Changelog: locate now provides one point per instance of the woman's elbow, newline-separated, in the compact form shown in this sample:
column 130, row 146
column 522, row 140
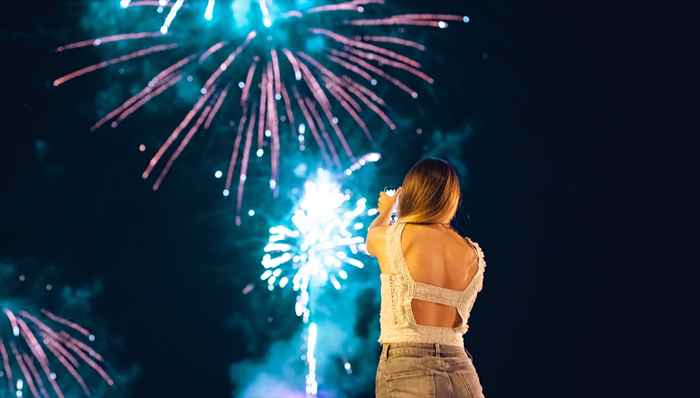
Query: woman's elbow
column 369, row 246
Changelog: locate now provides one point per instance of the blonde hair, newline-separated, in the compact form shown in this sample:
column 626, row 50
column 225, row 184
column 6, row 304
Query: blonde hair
column 430, row 193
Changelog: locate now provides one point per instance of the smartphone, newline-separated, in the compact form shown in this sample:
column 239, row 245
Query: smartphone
column 394, row 213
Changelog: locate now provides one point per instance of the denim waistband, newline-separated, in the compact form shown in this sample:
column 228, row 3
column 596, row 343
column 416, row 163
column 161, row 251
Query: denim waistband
column 422, row 350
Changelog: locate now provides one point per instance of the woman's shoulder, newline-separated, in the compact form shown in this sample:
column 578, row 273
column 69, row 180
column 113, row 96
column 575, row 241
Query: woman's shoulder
column 381, row 229
column 462, row 243
column 476, row 248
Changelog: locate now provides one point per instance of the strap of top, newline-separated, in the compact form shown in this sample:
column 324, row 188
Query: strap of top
column 479, row 252
column 437, row 294
column 396, row 251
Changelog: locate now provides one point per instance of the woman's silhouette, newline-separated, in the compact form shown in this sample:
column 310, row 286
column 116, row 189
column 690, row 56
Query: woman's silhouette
column 430, row 277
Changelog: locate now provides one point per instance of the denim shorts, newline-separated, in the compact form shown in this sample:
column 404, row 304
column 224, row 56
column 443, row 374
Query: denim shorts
column 422, row 370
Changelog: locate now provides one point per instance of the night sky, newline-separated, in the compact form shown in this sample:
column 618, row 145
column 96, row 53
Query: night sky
column 172, row 264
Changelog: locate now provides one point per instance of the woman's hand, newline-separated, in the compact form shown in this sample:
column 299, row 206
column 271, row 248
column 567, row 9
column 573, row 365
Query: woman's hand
column 385, row 201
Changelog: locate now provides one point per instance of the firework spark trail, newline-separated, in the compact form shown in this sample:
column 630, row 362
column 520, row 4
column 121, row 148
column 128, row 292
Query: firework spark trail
column 61, row 354
column 348, row 104
column 314, row 88
column 330, row 75
column 336, row 87
column 173, row 136
column 145, row 3
column 350, row 47
column 35, row 374
column 145, row 96
column 323, row 101
column 6, row 365
column 276, row 69
column 25, row 352
column 288, row 108
column 248, row 84
column 322, row 128
column 312, row 127
column 193, row 130
column 365, row 46
column 211, row 50
column 385, row 61
column 393, row 40
column 244, row 167
column 311, row 382
column 345, row 6
column 171, row 16
column 349, row 66
column 261, row 112
column 362, row 92
column 66, row 322
column 430, row 20
column 25, row 371
column 234, row 155
column 224, row 65
column 361, row 162
column 59, row 342
column 108, row 39
column 217, row 105
column 360, row 63
column 274, row 131
column 267, row 20
column 147, row 93
column 113, row 61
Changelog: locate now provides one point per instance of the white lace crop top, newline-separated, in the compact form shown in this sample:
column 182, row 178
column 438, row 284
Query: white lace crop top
column 398, row 289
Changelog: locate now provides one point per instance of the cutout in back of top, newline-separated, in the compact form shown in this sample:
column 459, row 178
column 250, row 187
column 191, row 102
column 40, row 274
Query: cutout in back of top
column 428, row 312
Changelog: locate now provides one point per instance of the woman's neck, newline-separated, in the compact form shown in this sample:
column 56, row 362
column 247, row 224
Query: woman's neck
column 445, row 224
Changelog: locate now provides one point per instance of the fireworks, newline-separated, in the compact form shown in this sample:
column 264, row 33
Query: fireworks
column 41, row 351
column 301, row 66
column 323, row 237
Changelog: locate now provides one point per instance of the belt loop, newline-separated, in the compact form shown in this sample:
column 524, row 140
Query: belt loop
column 385, row 351
column 437, row 349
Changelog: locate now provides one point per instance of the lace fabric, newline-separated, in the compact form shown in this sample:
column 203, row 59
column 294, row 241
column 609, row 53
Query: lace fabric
column 398, row 289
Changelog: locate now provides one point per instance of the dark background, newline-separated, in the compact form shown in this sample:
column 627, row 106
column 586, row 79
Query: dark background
column 519, row 77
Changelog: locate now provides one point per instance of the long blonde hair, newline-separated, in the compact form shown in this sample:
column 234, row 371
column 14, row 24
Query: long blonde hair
column 430, row 193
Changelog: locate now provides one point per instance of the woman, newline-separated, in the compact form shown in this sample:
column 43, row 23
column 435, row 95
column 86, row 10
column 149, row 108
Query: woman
column 430, row 277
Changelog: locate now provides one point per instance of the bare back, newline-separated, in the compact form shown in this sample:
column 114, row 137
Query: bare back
column 435, row 255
